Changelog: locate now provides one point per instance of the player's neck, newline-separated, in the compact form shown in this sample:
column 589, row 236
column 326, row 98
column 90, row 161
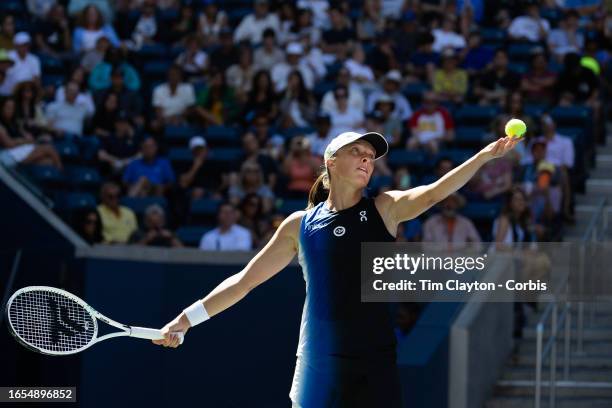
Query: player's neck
column 342, row 198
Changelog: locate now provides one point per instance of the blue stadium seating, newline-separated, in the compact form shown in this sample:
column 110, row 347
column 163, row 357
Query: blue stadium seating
column 577, row 115
column 205, row 208
column 156, row 69
column 534, row 110
column 470, row 135
column 225, row 154
column 402, row 157
column 457, row 156
column 52, row 80
column 493, row 37
column 140, row 204
column 68, row 150
column 476, row 115
column 153, row 51
column 13, row 7
column 179, row 135
column 288, row 206
column 521, row 52
column 222, row 136
column 414, row 92
column 51, row 65
column 191, row 235
column 376, row 182
column 481, row 210
column 76, row 201
column 83, row 177
column 47, row 176
column 519, row 68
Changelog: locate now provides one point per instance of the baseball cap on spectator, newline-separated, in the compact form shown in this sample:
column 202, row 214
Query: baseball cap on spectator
column 22, row 38
column 546, row 166
column 295, row 48
column 394, row 75
column 197, row 141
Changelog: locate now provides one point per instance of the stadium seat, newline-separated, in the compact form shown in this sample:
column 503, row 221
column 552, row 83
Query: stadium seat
column 470, row 136
column 321, row 88
column 224, row 158
column 222, row 136
column 47, row 176
column 457, row 156
column 153, row 51
column 493, row 37
column 52, row 80
column 400, row 157
column 534, row 110
column 576, row 115
column 192, row 235
column 481, row 210
column 76, row 201
column 289, row 206
column 297, row 131
column 51, row 65
column 83, row 177
column 518, row 68
column 476, row 115
column 521, row 52
column 156, row 70
column 69, row 151
column 204, row 210
column 179, row 135
column 140, row 204
column 13, row 7
column 414, row 92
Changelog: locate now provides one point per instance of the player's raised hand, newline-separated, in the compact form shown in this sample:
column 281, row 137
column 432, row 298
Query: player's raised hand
column 500, row 147
column 170, row 332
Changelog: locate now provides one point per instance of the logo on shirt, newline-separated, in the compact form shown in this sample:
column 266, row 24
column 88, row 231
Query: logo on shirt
column 339, row 231
column 362, row 216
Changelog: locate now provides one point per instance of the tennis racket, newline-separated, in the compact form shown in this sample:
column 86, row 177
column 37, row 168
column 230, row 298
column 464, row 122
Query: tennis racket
column 55, row 322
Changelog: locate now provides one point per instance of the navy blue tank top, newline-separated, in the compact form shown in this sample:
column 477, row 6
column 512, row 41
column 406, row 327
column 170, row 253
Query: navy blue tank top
column 334, row 321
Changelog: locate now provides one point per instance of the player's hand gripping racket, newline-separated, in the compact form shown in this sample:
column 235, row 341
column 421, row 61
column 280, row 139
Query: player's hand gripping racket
column 52, row 321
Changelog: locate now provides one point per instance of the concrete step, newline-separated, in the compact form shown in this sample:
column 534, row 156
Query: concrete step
column 603, row 161
column 528, row 347
column 597, row 333
column 601, row 172
column 590, row 199
column 600, row 374
column 591, row 361
column 564, row 402
column 596, row 186
column 503, row 389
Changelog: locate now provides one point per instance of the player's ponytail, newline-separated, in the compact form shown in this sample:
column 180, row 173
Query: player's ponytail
column 319, row 190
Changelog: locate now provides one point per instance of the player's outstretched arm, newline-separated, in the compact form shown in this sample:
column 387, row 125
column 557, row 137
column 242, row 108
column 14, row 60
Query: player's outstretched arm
column 401, row 206
column 275, row 256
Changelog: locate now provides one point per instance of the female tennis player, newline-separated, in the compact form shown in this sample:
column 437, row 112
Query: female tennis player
column 346, row 349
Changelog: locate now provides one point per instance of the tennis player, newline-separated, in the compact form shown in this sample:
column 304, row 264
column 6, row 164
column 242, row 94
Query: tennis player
column 346, row 351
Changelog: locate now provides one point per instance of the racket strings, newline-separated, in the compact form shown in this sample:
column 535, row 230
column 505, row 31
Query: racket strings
column 51, row 322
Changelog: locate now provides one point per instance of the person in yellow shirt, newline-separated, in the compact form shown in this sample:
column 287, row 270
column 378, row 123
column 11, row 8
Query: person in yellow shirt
column 118, row 222
column 449, row 82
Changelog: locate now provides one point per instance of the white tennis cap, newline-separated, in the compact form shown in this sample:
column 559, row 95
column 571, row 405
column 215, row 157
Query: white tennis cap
column 377, row 141
column 22, row 38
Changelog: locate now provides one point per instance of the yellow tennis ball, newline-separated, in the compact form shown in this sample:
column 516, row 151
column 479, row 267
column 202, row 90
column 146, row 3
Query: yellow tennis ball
column 515, row 128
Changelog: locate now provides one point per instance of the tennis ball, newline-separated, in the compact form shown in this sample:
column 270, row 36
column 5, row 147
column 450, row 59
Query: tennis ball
column 515, row 128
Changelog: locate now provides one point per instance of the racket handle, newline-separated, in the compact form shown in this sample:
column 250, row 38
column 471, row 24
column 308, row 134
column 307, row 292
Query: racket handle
column 151, row 334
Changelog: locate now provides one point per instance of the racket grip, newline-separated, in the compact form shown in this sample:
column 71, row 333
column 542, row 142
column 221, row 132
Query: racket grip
column 151, row 334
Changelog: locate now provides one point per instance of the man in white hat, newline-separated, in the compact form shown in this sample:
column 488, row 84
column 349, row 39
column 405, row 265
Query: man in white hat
column 280, row 73
column 391, row 86
column 27, row 65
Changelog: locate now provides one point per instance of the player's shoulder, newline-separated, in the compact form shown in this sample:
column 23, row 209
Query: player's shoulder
column 291, row 224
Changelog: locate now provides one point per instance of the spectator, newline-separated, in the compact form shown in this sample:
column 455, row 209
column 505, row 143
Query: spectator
column 240, row 76
column 305, row 26
column 515, row 224
column 200, row 178
column 253, row 25
column 68, row 116
column 530, row 26
column 371, row 23
column 226, row 54
column 391, row 87
column 127, row 100
column 150, row 174
column 5, row 65
column 94, row 57
column 577, row 84
column 450, row 83
column 20, row 147
column 89, row 226
column 450, row 227
column 103, row 122
column 319, row 139
column 493, row 85
column 155, row 232
column 216, row 104
column 210, row 22
column 545, row 202
column 286, row 14
column 120, row 146
column 84, row 98
column 566, row 38
column 280, row 72
column 339, row 36
column 26, row 65
column 146, row 30
column 538, row 84
column 253, row 153
column 430, row 125
column 103, row 6
column 443, row 166
column 173, row 99
column 475, row 57
column 114, row 61
column 118, row 222
column 193, row 60
column 252, row 217
column 297, row 105
column 269, row 54
column 345, row 118
column 423, row 61
column 360, row 72
column 228, row 236
column 382, row 58
column 356, row 97
column 251, row 181
column 40, row 8
column 446, row 36
column 184, row 25
column 90, row 27
column 492, row 181
column 262, row 98
column 29, row 109
column 53, row 35
column 300, row 167
column 7, row 32
column 391, row 125
column 405, row 37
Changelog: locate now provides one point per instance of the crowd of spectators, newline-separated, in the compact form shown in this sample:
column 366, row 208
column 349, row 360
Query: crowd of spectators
column 277, row 80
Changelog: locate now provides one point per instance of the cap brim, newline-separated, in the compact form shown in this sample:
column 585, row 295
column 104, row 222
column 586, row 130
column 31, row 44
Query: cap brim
column 378, row 142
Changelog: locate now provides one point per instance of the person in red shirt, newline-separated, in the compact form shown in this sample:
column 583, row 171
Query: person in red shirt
column 430, row 125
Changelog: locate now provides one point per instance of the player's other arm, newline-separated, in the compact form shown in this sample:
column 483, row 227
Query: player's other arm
column 275, row 256
column 401, row 206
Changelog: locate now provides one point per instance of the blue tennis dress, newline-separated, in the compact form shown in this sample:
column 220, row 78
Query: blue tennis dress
column 346, row 350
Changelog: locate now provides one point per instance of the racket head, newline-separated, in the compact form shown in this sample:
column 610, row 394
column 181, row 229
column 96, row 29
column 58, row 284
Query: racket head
column 51, row 321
